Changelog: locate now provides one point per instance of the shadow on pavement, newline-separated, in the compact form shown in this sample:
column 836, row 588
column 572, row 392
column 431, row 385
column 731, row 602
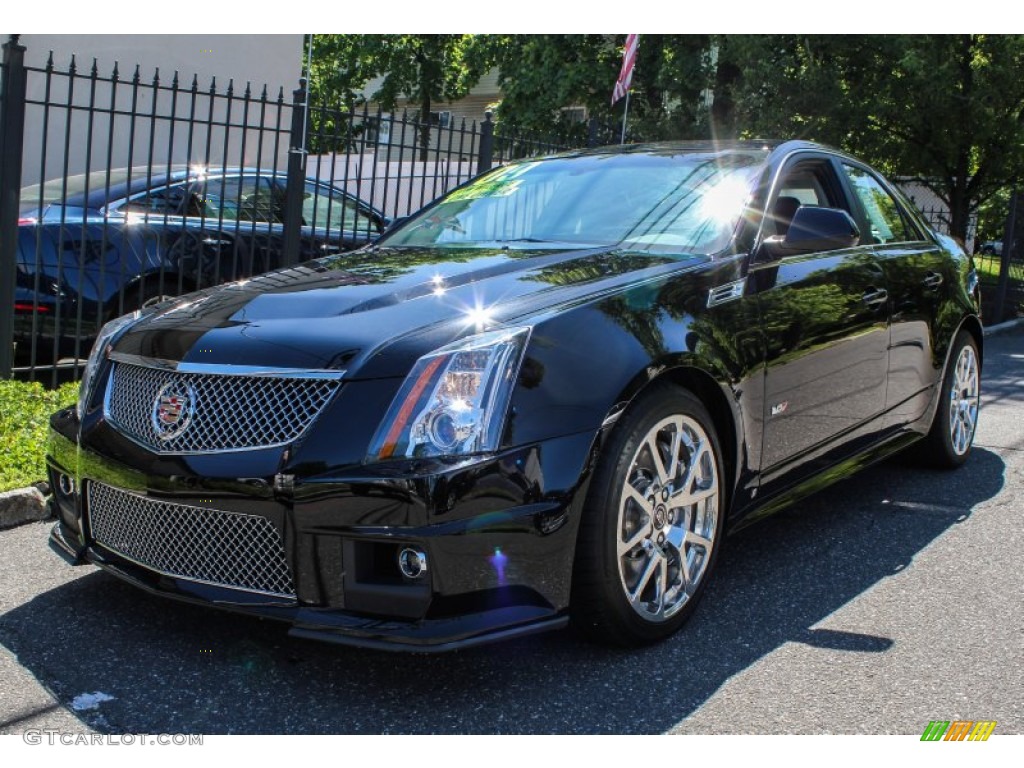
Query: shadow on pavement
column 1002, row 369
column 175, row 668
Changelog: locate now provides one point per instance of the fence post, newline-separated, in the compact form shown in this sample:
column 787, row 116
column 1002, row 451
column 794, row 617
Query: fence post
column 12, row 134
column 1007, row 253
column 296, row 187
column 486, row 154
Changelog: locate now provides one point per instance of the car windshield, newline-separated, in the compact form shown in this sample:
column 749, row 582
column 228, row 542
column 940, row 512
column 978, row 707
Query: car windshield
column 687, row 203
column 54, row 190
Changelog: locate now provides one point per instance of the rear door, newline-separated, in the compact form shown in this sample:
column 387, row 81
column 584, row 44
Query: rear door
column 917, row 274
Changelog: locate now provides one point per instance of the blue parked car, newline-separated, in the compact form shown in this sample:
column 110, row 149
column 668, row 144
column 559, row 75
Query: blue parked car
column 95, row 246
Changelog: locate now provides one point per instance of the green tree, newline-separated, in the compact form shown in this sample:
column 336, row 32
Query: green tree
column 540, row 75
column 423, row 68
column 948, row 109
column 671, row 79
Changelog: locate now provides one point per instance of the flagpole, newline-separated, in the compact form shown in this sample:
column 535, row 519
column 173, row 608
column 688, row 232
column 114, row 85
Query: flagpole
column 624, row 113
column 625, row 77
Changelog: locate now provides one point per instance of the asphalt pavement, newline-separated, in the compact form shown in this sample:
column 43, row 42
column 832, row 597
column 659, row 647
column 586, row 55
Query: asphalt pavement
column 882, row 603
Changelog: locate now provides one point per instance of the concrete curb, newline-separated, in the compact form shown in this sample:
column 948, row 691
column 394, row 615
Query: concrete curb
column 24, row 505
column 1009, row 325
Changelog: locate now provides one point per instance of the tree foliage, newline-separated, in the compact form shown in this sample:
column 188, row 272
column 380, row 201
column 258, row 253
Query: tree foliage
column 541, row 75
column 425, row 69
column 948, row 109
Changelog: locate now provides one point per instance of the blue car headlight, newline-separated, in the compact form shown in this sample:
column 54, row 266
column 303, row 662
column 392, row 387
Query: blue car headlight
column 454, row 401
column 107, row 335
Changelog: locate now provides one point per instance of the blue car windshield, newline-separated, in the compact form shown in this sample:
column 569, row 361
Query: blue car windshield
column 43, row 194
column 688, row 203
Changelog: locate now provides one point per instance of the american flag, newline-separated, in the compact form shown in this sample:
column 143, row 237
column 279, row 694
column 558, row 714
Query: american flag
column 626, row 74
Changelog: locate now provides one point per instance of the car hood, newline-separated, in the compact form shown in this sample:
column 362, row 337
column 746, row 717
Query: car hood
column 373, row 312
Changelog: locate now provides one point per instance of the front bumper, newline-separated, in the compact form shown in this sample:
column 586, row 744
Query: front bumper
column 498, row 535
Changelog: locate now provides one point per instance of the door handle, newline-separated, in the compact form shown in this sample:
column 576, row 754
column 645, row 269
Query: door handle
column 873, row 298
column 932, row 280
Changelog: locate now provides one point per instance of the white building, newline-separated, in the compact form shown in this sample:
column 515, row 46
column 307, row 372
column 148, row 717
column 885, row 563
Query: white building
column 254, row 60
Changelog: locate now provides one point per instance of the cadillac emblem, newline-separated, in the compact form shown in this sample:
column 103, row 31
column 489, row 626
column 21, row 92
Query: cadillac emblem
column 173, row 409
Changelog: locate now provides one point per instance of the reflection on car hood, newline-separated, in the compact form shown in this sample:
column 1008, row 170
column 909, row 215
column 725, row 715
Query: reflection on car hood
column 373, row 312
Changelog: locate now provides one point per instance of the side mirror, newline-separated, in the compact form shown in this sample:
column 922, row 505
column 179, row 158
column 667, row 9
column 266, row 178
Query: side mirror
column 813, row 229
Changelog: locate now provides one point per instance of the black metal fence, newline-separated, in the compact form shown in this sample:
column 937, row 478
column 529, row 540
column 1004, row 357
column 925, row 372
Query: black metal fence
column 119, row 190
column 938, row 219
column 1000, row 264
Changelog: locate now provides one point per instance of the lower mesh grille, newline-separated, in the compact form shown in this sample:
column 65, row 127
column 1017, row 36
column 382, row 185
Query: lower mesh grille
column 227, row 549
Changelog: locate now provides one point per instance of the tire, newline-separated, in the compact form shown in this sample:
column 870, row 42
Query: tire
column 951, row 436
column 651, row 528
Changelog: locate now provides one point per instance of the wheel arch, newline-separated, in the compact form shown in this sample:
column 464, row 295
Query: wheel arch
column 712, row 394
column 972, row 325
column 936, row 448
column 590, row 613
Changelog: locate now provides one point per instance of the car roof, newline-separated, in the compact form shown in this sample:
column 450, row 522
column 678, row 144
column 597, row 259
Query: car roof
column 769, row 148
column 142, row 178
column 139, row 179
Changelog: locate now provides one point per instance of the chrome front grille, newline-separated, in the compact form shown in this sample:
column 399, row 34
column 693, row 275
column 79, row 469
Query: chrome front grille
column 211, row 412
column 228, row 549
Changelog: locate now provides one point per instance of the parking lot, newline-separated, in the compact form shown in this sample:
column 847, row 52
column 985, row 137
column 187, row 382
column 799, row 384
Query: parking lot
column 874, row 607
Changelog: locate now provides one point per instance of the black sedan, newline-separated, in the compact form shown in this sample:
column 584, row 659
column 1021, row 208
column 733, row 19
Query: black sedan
column 543, row 400
column 95, row 246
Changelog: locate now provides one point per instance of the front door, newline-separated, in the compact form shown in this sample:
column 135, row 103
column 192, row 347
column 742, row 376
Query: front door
column 825, row 317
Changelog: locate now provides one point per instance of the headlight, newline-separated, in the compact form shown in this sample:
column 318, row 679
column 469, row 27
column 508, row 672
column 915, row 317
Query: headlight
column 454, row 401
column 106, row 335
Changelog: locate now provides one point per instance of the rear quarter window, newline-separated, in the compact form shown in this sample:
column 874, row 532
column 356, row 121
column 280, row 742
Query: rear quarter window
column 887, row 222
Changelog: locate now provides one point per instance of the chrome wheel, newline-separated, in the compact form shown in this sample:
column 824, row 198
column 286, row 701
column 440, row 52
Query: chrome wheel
column 964, row 397
column 668, row 518
column 948, row 442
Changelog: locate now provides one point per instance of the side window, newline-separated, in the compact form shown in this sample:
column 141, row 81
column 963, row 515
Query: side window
column 887, row 224
column 170, row 200
column 325, row 208
column 807, row 182
column 245, row 198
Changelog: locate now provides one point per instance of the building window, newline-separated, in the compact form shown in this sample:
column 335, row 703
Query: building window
column 574, row 114
column 377, row 130
column 441, row 119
